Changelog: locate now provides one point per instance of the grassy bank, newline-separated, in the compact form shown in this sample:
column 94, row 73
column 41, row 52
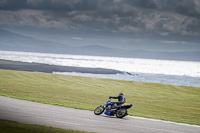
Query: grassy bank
column 157, row 101
column 16, row 127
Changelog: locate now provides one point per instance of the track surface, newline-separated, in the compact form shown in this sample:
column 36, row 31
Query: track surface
column 61, row 117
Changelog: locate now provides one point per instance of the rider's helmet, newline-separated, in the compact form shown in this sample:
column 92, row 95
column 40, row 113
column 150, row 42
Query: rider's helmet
column 121, row 93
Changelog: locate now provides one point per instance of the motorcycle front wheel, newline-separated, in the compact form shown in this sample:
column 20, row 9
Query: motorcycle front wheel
column 121, row 113
column 99, row 110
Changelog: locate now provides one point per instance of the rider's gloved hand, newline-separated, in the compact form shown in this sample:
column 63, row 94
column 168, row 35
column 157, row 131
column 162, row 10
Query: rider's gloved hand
column 110, row 97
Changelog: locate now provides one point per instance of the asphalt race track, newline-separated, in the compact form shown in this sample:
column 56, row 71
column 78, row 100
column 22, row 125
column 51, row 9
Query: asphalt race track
column 62, row 117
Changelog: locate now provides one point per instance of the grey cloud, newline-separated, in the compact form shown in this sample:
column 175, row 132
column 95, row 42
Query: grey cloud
column 149, row 4
column 13, row 4
column 54, row 5
column 121, row 8
column 162, row 17
column 188, row 8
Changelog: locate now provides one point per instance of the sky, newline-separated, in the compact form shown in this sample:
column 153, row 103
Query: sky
column 154, row 25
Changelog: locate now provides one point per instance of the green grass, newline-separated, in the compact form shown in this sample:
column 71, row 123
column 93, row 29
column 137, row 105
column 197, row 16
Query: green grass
column 157, row 101
column 16, row 127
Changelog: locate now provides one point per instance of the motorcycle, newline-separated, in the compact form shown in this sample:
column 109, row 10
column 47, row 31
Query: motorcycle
column 112, row 109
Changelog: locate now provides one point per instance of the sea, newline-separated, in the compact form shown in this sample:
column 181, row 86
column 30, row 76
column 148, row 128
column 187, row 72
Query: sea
column 184, row 73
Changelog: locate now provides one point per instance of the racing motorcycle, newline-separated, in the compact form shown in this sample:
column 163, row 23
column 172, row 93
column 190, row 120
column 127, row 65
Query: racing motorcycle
column 112, row 109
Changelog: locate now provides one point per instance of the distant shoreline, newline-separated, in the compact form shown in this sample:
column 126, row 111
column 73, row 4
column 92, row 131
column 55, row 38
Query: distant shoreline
column 38, row 67
column 100, row 73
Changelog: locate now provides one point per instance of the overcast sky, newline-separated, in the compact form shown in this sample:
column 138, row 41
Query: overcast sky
column 127, row 23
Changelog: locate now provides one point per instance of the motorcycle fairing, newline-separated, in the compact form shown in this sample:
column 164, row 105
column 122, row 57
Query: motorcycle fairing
column 126, row 105
column 109, row 103
column 108, row 113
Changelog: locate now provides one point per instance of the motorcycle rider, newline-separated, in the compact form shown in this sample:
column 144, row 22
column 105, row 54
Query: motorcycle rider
column 120, row 97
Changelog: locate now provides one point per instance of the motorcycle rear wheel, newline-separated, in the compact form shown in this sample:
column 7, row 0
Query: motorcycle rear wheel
column 99, row 110
column 121, row 113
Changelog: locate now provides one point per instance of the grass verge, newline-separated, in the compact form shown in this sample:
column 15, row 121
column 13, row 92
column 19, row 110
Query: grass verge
column 7, row 126
column 157, row 101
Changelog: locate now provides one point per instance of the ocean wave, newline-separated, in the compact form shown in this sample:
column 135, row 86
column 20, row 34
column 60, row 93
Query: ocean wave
column 142, row 77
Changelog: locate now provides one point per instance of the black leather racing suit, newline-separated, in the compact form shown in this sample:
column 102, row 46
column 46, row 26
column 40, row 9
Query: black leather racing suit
column 121, row 99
